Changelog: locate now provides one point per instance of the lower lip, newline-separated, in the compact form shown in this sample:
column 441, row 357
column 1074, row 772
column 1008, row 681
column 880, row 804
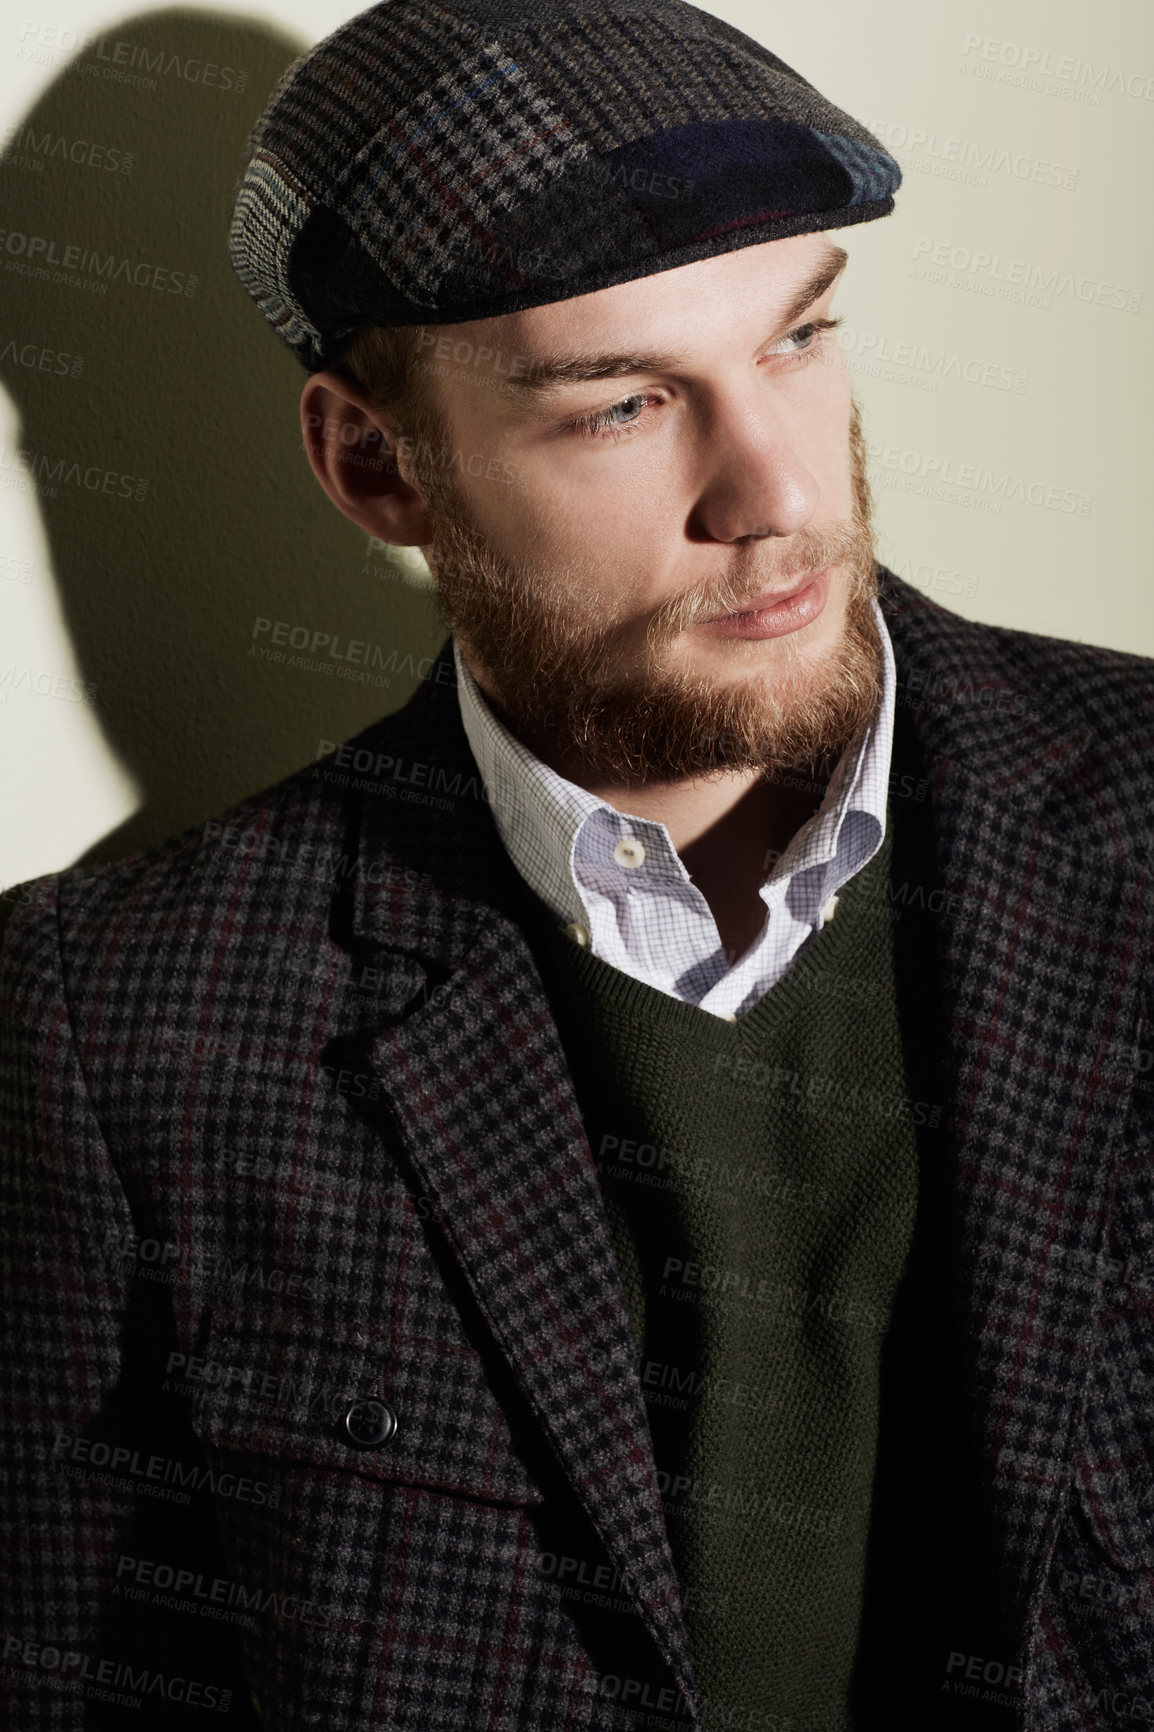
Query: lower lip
column 789, row 614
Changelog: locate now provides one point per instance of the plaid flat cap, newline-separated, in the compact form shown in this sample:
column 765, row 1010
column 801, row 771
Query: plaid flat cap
column 428, row 163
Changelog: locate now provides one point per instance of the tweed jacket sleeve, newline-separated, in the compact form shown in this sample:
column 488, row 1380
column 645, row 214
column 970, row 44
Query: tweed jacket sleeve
column 78, row 1358
column 62, row 1212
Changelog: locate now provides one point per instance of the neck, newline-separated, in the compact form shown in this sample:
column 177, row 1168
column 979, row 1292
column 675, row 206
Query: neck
column 729, row 829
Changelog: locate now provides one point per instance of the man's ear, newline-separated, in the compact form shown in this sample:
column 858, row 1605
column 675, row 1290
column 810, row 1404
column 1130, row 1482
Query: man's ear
column 352, row 448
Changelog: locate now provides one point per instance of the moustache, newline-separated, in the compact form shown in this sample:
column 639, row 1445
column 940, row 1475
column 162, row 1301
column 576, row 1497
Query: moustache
column 697, row 606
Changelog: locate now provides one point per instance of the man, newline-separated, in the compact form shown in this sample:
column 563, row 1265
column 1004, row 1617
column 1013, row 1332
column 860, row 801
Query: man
column 621, row 1196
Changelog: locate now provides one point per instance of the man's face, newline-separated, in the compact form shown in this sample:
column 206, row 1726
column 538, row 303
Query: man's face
column 716, row 458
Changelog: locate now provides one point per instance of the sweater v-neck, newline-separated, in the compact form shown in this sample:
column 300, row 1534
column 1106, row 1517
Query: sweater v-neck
column 825, row 952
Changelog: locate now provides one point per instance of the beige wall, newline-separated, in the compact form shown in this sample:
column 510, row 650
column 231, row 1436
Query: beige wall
column 1004, row 400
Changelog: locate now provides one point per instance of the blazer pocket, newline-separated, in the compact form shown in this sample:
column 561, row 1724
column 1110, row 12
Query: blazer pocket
column 433, row 1422
column 367, row 1579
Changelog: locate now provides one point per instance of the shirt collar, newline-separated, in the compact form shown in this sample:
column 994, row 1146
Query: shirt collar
column 541, row 816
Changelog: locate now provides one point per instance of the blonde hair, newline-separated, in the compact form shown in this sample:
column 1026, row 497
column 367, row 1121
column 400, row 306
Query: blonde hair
column 382, row 360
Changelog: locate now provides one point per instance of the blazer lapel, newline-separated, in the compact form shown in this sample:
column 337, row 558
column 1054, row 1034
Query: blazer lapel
column 1041, row 940
column 482, row 1101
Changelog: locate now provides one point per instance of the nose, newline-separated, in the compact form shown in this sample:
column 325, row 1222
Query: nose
column 754, row 482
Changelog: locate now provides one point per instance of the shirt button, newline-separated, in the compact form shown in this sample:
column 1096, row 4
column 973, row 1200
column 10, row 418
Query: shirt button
column 578, row 932
column 829, row 910
column 729, row 1015
column 629, row 851
column 368, row 1424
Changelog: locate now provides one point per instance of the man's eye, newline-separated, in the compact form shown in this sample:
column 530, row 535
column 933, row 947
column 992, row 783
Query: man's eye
column 619, row 419
column 813, row 331
column 605, row 420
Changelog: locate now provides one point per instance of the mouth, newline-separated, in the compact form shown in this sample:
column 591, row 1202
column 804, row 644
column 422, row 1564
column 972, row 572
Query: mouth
column 775, row 613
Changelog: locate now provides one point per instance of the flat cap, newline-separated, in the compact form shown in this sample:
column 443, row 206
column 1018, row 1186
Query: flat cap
column 430, row 162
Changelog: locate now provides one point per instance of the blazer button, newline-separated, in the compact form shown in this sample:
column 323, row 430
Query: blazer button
column 368, row 1424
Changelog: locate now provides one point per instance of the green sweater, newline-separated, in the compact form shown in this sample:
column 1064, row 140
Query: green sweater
column 760, row 1180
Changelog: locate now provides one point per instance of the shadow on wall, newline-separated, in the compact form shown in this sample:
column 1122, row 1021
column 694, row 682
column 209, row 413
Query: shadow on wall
column 186, row 530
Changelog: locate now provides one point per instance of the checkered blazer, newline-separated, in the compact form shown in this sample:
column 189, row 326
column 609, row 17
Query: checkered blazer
column 292, row 1155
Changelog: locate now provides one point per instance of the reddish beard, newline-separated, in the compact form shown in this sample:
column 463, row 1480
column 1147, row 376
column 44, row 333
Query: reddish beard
column 569, row 687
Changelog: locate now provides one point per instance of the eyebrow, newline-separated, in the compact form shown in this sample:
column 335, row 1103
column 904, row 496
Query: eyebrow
column 576, row 369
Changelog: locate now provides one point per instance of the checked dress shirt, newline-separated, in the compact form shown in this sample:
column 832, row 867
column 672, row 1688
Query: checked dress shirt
column 621, row 887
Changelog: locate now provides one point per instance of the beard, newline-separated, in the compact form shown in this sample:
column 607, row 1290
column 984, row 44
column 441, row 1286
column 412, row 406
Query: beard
column 561, row 665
